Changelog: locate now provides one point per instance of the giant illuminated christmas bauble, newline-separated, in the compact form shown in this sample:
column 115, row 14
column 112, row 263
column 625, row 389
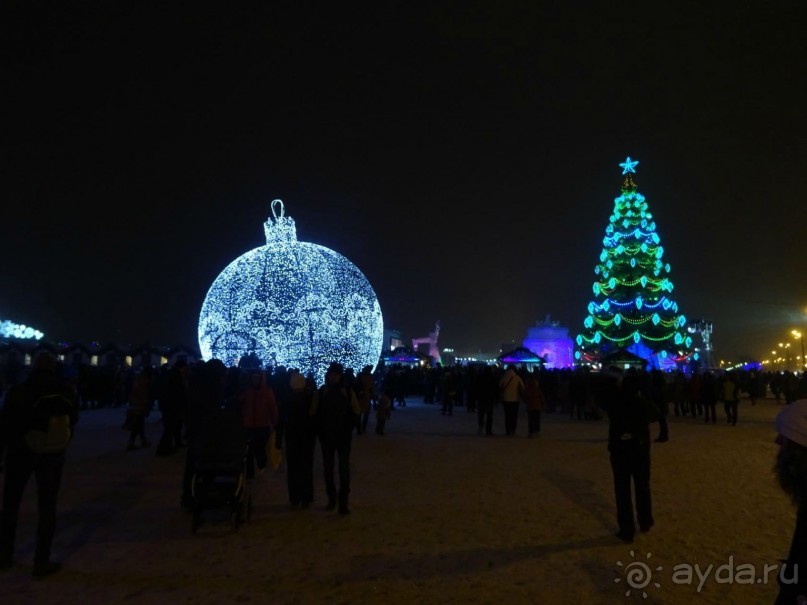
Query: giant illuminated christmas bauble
column 292, row 304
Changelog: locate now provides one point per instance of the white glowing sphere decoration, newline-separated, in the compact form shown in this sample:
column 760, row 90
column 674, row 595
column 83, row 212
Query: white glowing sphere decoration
column 293, row 304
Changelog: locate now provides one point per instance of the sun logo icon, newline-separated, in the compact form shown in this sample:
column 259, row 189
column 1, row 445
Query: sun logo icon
column 638, row 575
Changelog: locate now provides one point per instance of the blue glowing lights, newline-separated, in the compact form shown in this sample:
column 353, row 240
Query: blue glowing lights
column 293, row 304
column 628, row 166
column 9, row 329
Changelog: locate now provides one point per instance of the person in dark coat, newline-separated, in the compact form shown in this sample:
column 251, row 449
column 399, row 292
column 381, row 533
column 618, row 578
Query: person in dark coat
column 173, row 401
column 535, row 401
column 791, row 472
column 487, row 393
column 578, row 393
column 658, row 394
column 140, row 404
column 336, row 411
column 629, row 417
column 16, row 420
column 449, row 390
column 365, row 391
column 300, row 443
column 708, row 393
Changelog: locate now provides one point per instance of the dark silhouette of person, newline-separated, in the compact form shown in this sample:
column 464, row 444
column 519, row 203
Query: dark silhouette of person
column 336, row 411
column 709, row 397
column 535, row 401
column 173, row 401
column 430, row 386
column 730, row 395
column 791, row 472
column 206, row 395
column 629, row 417
column 449, row 389
column 140, row 404
column 578, row 393
column 300, row 443
column 18, row 417
column 365, row 391
column 488, row 392
column 511, row 388
column 659, row 395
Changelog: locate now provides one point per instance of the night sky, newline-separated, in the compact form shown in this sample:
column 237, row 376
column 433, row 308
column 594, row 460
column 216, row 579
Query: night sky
column 464, row 155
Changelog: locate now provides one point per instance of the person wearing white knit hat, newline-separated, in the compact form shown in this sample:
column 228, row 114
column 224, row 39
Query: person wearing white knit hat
column 791, row 472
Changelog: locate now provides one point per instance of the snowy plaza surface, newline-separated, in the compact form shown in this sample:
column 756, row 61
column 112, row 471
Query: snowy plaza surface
column 439, row 515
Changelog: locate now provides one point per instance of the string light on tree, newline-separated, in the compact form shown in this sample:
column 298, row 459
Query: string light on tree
column 633, row 308
column 292, row 304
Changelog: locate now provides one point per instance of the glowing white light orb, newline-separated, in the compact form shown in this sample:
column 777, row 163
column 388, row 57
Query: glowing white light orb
column 293, row 304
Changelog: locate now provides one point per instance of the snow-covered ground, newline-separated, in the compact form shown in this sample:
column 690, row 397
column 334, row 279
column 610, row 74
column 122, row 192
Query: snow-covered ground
column 439, row 515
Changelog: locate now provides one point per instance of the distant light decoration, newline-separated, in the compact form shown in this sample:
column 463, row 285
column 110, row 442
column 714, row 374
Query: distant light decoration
column 9, row 329
column 293, row 304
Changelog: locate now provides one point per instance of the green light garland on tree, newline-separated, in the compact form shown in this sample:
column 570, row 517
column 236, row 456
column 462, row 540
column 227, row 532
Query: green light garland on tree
column 633, row 308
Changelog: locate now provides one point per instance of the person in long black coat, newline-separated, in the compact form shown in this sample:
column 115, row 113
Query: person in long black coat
column 335, row 409
column 300, row 442
column 629, row 417
column 173, row 401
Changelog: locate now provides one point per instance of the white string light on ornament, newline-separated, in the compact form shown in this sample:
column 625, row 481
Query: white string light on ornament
column 293, row 304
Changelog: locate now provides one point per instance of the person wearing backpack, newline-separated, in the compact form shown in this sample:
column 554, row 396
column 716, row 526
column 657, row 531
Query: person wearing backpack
column 36, row 426
column 336, row 411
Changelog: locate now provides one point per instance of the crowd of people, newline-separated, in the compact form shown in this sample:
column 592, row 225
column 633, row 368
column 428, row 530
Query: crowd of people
column 285, row 410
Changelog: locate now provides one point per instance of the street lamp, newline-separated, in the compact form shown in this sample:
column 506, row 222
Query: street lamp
column 786, row 348
column 800, row 336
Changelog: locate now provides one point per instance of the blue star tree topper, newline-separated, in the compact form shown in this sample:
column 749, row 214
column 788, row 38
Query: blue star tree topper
column 629, row 166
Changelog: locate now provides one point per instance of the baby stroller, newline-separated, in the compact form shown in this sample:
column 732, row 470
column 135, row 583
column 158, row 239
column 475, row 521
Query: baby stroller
column 219, row 469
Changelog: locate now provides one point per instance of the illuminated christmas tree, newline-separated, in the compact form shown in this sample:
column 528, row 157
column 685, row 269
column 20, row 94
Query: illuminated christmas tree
column 633, row 309
column 292, row 304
